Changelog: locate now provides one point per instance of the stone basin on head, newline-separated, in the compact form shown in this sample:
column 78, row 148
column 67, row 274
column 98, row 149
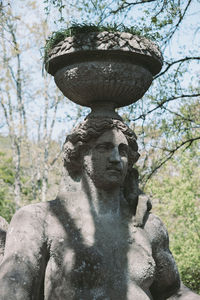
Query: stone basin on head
column 104, row 67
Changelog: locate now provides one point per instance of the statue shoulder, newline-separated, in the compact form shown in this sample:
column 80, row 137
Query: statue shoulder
column 30, row 212
column 157, row 231
column 32, row 218
column 35, row 212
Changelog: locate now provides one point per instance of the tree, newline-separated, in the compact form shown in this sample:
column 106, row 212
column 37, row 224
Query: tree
column 176, row 194
column 172, row 89
column 12, row 78
column 19, row 100
column 7, row 205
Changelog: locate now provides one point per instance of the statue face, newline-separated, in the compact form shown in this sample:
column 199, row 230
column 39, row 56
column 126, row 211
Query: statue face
column 107, row 161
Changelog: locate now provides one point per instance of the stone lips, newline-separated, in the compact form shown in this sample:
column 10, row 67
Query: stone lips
column 96, row 45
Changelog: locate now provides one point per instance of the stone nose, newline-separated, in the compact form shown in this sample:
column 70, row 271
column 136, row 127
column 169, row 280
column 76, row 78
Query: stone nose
column 114, row 155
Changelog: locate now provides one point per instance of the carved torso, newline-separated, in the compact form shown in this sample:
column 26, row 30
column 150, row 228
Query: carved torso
column 96, row 257
column 63, row 249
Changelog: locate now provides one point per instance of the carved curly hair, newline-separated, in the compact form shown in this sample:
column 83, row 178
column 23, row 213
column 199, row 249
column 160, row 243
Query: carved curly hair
column 85, row 133
column 80, row 140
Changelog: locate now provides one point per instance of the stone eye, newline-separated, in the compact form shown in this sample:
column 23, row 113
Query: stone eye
column 123, row 151
column 103, row 147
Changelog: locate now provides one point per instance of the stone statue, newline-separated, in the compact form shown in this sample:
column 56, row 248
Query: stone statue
column 98, row 238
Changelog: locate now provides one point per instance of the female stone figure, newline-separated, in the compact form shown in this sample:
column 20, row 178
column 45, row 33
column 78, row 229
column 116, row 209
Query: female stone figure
column 97, row 239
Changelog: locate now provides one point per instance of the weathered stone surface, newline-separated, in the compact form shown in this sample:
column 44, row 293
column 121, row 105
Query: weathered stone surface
column 3, row 229
column 125, row 35
column 184, row 294
column 133, row 43
column 104, row 67
column 98, row 239
column 103, row 81
column 139, row 49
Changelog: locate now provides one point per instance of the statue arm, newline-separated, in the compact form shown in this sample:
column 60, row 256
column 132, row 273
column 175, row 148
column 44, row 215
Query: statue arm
column 23, row 266
column 184, row 293
column 167, row 281
column 167, row 284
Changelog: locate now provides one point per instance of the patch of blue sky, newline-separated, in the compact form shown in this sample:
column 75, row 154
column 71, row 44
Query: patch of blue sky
column 184, row 42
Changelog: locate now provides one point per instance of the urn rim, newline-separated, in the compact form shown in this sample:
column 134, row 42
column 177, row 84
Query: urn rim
column 70, row 51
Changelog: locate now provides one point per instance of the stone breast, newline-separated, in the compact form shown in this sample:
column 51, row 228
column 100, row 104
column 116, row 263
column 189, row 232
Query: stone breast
column 141, row 265
column 116, row 259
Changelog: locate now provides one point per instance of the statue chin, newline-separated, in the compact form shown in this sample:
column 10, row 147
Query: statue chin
column 110, row 181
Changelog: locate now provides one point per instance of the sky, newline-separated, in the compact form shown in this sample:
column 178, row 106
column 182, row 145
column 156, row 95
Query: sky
column 184, row 40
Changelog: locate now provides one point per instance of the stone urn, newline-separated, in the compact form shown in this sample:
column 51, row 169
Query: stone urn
column 95, row 68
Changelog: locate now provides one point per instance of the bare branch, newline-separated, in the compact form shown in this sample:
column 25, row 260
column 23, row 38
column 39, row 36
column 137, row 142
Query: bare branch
column 160, row 105
column 127, row 4
column 169, row 65
column 181, row 116
column 162, row 8
column 12, row 74
column 56, row 157
column 179, row 21
column 188, row 141
column 5, row 112
column 171, row 154
column 53, row 119
column 144, row 182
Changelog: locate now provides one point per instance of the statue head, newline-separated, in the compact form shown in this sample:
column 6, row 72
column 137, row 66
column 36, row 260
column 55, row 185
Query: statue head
column 84, row 150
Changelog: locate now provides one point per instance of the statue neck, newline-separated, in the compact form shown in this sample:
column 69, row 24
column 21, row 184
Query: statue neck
column 102, row 201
